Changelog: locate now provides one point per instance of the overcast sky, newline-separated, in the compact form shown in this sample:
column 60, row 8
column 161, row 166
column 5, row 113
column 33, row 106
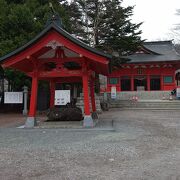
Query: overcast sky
column 158, row 17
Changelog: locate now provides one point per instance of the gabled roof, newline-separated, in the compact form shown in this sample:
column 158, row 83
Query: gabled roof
column 161, row 47
column 57, row 26
column 160, row 51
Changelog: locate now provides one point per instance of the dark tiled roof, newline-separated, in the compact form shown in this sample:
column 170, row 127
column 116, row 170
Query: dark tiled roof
column 55, row 25
column 161, row 51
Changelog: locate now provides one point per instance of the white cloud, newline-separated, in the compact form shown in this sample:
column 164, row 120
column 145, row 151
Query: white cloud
column 158, row 17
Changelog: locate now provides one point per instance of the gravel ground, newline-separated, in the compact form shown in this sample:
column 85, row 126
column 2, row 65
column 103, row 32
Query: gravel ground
column 143, row 145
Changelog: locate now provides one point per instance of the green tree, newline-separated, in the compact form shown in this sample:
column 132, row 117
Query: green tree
column 77, row 19
column 16, row 80
column 21, row 20
column 108, row 25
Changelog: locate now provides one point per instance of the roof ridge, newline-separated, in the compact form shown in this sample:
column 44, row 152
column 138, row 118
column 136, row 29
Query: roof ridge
column 62, row 31
column 158, row 42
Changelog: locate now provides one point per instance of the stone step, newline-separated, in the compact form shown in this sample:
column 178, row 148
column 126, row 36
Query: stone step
column 139, row 106
column 146, row 104
column 154, row 109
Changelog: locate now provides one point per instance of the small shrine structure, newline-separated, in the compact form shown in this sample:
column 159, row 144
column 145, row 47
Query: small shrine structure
column 56, row 56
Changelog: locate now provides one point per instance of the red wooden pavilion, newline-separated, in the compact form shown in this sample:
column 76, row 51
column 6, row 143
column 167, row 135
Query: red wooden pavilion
column 56, row 56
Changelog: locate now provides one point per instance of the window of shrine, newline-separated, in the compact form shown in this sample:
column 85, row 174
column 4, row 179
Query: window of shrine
column 168, row 79
column 113, row 80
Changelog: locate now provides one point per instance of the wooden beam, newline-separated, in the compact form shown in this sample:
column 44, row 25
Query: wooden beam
column 71, row 79
column 80, row 50
column 92, row 93
column 29, row 51
column 61, row 60
column 42, row 51
column 85, row 80
column 52, row 93
column 34, row 91
column 61, row 73
column 53, row 34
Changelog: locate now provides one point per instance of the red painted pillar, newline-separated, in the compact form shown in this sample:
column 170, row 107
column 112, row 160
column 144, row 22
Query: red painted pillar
column 52, row 93
column 148, row 83
column 132, row 83
column 93, row 102
column 85, row 79
column 33, row 100
column 162, row 83
column 174, row 78
column 120, row 83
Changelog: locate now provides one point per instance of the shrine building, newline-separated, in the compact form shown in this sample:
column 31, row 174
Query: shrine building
column 153, row 68
column 57, row 57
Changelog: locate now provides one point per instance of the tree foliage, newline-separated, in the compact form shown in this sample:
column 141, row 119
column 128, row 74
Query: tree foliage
column 108, row 25
column 21, row 20
column 103, row 24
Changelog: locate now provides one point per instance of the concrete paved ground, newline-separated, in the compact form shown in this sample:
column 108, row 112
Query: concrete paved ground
column 11, row 120
column 143, row 145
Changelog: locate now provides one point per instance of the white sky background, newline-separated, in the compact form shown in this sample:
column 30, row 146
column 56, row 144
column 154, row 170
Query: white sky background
column 159, row 17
